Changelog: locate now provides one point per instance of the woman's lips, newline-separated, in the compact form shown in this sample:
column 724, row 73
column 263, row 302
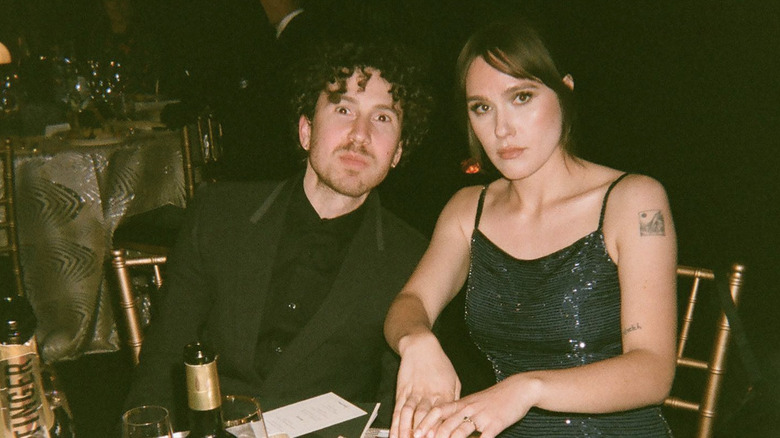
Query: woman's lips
column 509, row 153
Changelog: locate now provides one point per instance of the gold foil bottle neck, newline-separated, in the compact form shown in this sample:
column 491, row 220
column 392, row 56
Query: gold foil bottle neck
column 203, row 387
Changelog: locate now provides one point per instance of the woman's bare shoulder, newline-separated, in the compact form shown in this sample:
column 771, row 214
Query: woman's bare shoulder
column 636, row 198
column 465, row 198
column 632, row 187
column 462, row 208
column 638, row 189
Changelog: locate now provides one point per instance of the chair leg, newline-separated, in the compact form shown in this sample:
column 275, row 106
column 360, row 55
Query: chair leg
column 718, row 362
column 127, row 302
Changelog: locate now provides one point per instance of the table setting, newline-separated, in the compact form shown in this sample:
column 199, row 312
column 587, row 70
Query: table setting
column 88, row 153
column 325, row 416
column 71, row 196
column 90, row 150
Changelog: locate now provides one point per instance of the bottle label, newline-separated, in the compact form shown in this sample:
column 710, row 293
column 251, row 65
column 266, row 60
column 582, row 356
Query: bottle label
column 25, row 411
column 203, row 387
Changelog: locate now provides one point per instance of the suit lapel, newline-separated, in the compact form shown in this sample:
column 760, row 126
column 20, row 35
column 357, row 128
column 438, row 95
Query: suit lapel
column 255, row 261
column 361, row 263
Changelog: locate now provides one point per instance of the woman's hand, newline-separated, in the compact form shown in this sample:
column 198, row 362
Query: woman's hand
column 426, row 378
column 488, row 412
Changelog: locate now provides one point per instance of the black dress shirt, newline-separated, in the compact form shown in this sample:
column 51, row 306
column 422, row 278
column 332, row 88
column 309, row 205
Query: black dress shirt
column 311, row 251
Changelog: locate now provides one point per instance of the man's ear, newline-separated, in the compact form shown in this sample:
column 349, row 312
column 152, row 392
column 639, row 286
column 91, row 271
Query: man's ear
column 398, row 152
column 569, row 81
column 304, row 132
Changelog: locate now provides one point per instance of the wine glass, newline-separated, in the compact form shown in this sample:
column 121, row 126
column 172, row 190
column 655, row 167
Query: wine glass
column 147, row 422
column 79, row 98
column 238, row 411
column 107, row 80
column 10, row 97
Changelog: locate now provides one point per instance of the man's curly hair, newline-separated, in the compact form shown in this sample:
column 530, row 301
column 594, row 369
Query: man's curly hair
column 335, row 63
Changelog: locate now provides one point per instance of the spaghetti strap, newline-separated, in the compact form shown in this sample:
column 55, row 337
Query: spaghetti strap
column 606, row 195
column 479, row 206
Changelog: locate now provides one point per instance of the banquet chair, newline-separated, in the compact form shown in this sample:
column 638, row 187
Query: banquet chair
column 126, row 265
column 11, row 282
column 714, row 368
column 143, row 241
column 208, row 137
column 155, row 231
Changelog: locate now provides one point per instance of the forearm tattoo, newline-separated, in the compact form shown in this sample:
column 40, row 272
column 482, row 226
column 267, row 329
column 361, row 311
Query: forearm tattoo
column 651, row 223
column 632, row 328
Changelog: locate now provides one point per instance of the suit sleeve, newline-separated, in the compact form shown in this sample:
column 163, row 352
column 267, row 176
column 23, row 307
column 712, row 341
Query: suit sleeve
column 408, row 252
column 386, row 391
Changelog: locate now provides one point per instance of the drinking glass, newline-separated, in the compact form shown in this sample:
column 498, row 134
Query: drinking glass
column 147, row 422
column 10, row 100
column 238, row 411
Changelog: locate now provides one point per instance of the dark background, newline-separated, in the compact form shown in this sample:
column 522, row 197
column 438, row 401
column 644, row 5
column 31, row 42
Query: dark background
column 686, row 92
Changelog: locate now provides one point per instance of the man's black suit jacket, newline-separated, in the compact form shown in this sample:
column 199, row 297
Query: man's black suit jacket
column 217, row 285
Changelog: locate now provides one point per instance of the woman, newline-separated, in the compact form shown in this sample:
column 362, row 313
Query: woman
column 569, row 267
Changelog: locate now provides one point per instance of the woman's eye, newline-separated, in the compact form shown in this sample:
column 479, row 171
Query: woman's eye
column 479, row 108
column 384, row 118
column 523, row 97
column 342, row 110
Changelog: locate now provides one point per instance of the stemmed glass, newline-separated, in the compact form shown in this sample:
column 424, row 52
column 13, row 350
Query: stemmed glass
column 106, row 79
column 79, row 96
column 10, row 97
column 146, row 422
column 238, row 412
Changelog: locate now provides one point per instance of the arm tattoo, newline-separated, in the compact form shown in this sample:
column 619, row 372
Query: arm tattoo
column 651, row 223
column 632, row 328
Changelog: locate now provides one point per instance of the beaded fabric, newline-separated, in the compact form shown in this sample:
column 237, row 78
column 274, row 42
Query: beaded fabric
column 558, row 311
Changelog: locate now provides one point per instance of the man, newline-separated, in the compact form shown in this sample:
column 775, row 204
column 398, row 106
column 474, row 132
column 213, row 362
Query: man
column 289, row 282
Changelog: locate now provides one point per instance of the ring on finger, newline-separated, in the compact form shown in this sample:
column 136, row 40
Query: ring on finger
column 468, row 419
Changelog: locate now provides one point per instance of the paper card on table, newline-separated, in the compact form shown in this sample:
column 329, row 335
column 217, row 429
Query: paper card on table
column 310, row 415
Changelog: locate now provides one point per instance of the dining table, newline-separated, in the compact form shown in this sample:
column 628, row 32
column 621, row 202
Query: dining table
column 71, row 193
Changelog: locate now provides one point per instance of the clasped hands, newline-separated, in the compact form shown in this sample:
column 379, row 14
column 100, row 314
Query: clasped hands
column 428, row 403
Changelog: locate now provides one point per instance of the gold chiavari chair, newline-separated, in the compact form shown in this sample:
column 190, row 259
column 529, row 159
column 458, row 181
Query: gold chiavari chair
column 714, row 368
column 155, row 231
column 10, row 261
column 125, row 263
column 143, row 241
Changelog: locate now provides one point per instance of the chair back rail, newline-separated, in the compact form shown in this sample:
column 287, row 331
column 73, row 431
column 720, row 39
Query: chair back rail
column 209, row 144
column 122, row 264
column 186, row 156
column 715, row 366
column 10, row 242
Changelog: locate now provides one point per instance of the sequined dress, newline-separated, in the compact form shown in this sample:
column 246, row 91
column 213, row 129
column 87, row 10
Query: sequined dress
column 558, row 311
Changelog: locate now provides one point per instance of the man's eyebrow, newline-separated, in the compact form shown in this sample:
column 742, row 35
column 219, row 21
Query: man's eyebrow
column 344, row 97
column 474, row 98
column 390, row 108
column 353, row 100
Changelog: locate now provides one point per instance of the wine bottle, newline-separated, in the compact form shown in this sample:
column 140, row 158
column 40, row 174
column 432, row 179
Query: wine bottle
column 203, row 395
column 29, row 411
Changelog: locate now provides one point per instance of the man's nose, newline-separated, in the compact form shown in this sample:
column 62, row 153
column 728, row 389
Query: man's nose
column 361, row 131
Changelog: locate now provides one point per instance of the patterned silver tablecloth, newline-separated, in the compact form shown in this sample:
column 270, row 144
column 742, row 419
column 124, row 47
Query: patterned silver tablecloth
column 69, row 202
